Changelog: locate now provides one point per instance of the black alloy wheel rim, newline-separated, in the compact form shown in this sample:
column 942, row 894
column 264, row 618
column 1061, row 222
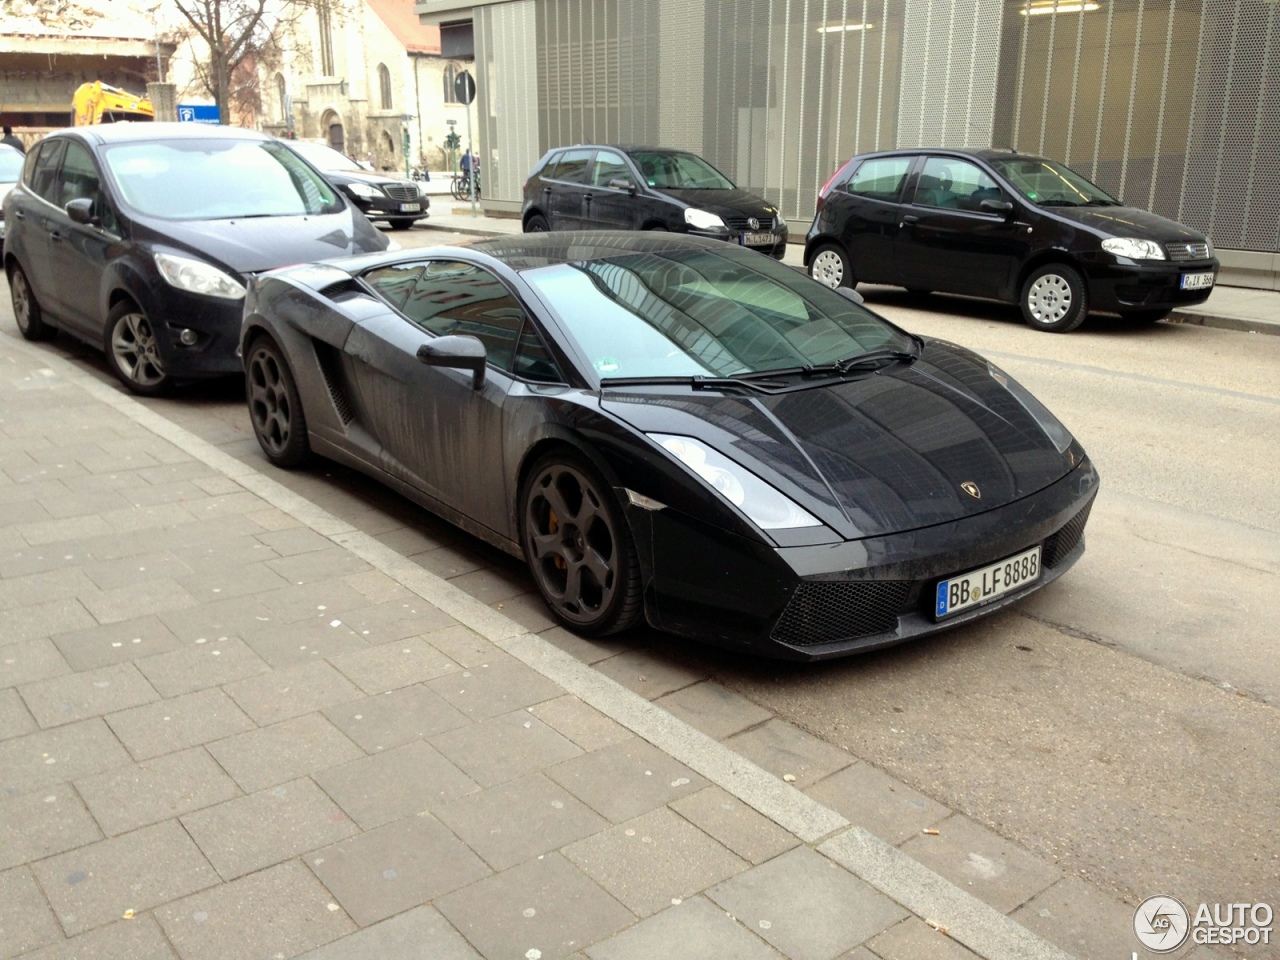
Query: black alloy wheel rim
column 269, row 404
column 572, row 543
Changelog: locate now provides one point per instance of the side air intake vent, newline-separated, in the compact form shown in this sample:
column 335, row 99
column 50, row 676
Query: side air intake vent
column 331, row 369
column 343, row 290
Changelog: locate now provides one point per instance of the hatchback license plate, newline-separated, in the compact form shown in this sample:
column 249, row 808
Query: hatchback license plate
column 986, row 583
column 758, row 239
column 410, row 207
column 1197, row 281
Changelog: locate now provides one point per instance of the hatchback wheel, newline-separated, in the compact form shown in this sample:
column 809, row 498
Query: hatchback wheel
column 25, row 308
column 1054, row 298
column 132, row 351
column 275, row 408
column 536, row 224
column 578, row 547
column 830, row 267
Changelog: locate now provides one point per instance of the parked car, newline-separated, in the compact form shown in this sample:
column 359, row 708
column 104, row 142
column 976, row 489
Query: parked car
column 139, row 239
column 647, row 188
column 676, row 429
column 1008, row 226
column 11, row 161
column 379, row 196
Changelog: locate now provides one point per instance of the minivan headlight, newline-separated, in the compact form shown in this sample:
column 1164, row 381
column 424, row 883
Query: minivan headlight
column 702, row 219
column 1133, row 248
column 196, row 276
column 766, row 507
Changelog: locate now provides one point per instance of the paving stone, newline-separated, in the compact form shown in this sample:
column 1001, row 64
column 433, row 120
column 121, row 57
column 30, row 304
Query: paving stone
column 1080, row 918
column 410, row 541
column 126, row 603
column 582, row 648
column 400, row 716
column 527, row 609
column 236, row 581
column 285, row 751
column 693, row 930
column 280, row 911
column 142, row 568
column 178, row 723
column 913, row 939
column 42, row 619
column 218, row 554
column 504, row 748
column 450, row 561
column 15, row 718
column 153, row 516
column 498, row 685
column 129, row 797
column 198, row 666
column 38, row 825
column 267, row 827
column 978, row 861
column 23, row 559
column 29, row 661
column 583, row 724
column 304, row 641
column 520, row 820
column 870, row 798
column 221, row 618
column 283, row 694
column 92, row 693
column 295, row 540
column 750, row 835
column 25, row 920
column 784, row 749
column 224, row 504
column 272, row 519
column 806, row 906
column 68, row 528
column 419, row 934
column 396, row 867
column 544, row 905
column 394, row 784
column 378, row 588
column 648, row 862
column 396, row 620
column 54, row 756
column 625, row 780
column 147, row 495
column 136, row 871
column 40, row 588
column 318, row 565
column 329, row 597
column 115, row 643
column 462, row 645
column 650, row 673
column 714, row 710
column 137, row 939
column 494, row 584
column 394, row 665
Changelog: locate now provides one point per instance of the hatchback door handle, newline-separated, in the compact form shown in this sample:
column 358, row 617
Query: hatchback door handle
column 909, row 218
column 19, row 215
column 55, row 236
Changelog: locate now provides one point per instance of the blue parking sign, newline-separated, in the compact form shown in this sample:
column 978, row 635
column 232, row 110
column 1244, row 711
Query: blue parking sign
column 197, row 113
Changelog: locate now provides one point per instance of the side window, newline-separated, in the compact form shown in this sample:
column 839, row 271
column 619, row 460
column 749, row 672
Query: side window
column 954, row 184
column 79, row 181
column 396, row 282
column 44, row 176
column 548, row 169
column 533, row 359
column 880, row 178
column 572, row 167
column 448, row 297
column 609, row 166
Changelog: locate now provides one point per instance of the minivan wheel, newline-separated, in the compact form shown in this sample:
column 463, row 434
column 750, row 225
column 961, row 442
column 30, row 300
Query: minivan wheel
column 536, row 224
column 132, row 351
column 25, row 308
column 830, row 267
column 1054, row 299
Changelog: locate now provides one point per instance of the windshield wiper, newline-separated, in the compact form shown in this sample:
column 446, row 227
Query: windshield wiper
column 755, row 384
column 872, row 358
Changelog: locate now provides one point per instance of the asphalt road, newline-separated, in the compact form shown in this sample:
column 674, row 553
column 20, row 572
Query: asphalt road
column 1124, row 722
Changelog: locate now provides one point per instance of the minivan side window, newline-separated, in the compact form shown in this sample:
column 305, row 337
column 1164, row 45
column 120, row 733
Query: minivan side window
column 954, row 184
column 880, row 178
column 78, row 180
column 44, row 176
column 572, row 167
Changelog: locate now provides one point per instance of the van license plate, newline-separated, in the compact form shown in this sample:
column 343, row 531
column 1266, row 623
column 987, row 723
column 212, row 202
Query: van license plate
column 1197, row 281
column 986, row 583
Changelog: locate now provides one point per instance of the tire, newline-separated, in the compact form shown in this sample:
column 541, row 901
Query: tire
column 578, row 546
column 536, row 224
column 1146, row 316
column 455, row 188
column 26, row 310
column 129, row 340
column 657, row 228
column 830, row 266
column 1054, row 299
column 275, row 408
column 401, row 223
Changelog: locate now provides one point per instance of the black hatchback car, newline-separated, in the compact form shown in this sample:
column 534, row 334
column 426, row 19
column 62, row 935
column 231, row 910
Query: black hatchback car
column 379, row 196
column 1007, row 226
column 139, row 239
column 647, row 188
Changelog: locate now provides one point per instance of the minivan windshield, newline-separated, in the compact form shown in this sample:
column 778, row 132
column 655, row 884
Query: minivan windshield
column 669, row 170
column 218, row 179
column 695, row 312
column 1050, row 184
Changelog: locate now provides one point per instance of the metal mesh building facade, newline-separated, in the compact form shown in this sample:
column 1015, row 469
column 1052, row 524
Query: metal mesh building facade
column 1172, row 105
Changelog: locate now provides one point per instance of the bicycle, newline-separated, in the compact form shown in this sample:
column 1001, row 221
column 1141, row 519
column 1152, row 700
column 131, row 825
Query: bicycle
column 460, row 187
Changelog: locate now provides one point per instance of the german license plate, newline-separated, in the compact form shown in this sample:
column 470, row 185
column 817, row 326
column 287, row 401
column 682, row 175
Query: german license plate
column 410, row 207
column 1197, row 281
column 758, row 239
column 986, row 583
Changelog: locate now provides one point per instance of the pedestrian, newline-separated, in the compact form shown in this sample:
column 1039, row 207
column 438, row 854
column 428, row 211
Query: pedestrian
column 13, row 141
column 465, row 163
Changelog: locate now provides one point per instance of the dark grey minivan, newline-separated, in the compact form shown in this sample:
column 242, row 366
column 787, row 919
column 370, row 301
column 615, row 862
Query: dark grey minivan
column 647, row 188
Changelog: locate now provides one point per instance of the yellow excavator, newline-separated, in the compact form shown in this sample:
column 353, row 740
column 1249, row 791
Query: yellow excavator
column 98, row 102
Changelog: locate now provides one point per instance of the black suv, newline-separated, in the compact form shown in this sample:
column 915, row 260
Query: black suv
column 1007, row 226
column 647, row 188
column 379, row 196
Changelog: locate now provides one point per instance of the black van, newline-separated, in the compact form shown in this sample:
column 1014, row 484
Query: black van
column 1008, row 226
column 647, row 188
